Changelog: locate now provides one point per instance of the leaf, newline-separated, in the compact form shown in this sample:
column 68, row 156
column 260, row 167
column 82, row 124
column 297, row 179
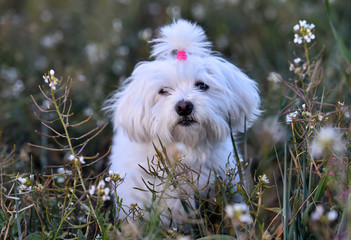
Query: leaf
column 321, row 188
column 3, row 220
column 81, row 226
column 106, row 232
column 35, row 236
column 305, row 215
column 81, row 235
column 342, row 48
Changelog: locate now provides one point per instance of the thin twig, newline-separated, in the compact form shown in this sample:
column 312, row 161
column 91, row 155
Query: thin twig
column 59, row 134
column 47, row 148
column 80, row 123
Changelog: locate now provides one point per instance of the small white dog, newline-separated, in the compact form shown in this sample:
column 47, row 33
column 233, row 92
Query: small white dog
column 186, row 99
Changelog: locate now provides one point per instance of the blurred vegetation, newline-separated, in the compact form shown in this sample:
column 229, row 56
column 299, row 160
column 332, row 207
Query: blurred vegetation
column 98, row 43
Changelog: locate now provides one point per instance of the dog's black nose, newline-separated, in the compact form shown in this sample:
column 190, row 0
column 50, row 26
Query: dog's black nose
column 184, row 108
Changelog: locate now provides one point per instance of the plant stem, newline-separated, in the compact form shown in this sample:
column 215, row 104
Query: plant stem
column 19, row 229
column 72, row 152
column 285, row 196
column 66, row 214
column 76, row 166
column 62, row 122
column 307, row 59
column 305, row 91
column 89, row 200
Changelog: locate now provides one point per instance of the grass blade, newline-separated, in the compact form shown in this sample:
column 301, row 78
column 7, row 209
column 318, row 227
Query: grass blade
column 342, row 47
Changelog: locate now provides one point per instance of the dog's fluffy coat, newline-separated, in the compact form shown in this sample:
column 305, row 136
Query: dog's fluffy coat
column 186, row 104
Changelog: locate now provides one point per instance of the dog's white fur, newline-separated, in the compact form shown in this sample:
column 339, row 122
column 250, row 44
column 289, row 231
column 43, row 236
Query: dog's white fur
column 142, row 115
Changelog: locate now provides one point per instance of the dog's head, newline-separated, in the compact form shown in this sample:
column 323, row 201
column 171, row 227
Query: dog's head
column 186, row 94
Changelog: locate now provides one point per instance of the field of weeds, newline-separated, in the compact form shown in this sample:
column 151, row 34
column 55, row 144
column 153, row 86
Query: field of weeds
column 59, row 62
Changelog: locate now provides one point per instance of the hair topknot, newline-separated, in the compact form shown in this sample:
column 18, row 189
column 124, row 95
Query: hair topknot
column 181, row 35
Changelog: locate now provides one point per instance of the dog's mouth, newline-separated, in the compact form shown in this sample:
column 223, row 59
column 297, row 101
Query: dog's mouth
column 186, row 121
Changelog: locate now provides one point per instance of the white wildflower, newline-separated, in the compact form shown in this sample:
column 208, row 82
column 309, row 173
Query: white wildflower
column 92, row 190
column 274, row 77
column 297, row 60
column 61, row 177
column 239, row 211
column 307, row 38
column 318, row 213
column 24, row 188
column 145, row 34
column 81, row 159
column 328, row 139
column 101, row 184
column 21, row 188
column 272, row 130
column 303, row 23
column 106, row 191
column 96, row 53
column 332, row 215
column 25, row 184
column 46, row 78
column 103, row 192
column 291, row 116
column 71, row 157
column 246, row 218
column 22, row 180
column 105, row 198
column 263, row 178
column 52, row 84
column 297, row 39
column 106, row 195
column 291, row 67
column 303, row 32
column 108, row 178
column 113, row 177
column 51, row 79
column 296, row 27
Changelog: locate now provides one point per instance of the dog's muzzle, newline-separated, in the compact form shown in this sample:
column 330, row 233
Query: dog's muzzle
column 186, row 121
column 184, row 109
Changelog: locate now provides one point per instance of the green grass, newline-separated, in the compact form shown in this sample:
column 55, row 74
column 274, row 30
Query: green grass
column 292, row 167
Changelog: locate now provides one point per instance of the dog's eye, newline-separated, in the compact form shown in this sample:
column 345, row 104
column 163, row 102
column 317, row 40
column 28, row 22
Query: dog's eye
column 163, row 92
column 201, row 85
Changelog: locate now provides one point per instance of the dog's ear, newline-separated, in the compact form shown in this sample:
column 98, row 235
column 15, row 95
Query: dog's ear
column 131, row 107
column 244, row 99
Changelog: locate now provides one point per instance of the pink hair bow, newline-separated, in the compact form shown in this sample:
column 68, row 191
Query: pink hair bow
column 181, row 55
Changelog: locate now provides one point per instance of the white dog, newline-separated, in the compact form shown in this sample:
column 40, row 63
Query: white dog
column 187, row 99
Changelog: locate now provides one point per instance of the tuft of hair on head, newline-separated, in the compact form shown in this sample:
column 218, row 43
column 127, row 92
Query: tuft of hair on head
column 181, row 35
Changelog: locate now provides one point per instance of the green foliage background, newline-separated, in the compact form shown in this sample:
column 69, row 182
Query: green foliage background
column 98, row 43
